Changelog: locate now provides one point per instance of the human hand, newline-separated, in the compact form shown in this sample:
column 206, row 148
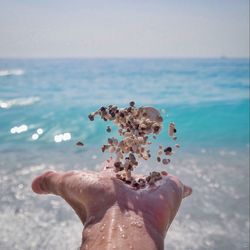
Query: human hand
column 101, row 199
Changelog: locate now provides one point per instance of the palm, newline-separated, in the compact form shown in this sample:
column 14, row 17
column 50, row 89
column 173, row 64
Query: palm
column 94, row 195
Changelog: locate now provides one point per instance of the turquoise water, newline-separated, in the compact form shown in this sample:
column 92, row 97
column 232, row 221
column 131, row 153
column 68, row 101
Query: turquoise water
column 208, row 99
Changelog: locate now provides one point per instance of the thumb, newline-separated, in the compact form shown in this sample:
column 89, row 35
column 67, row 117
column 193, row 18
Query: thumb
column 186, row 191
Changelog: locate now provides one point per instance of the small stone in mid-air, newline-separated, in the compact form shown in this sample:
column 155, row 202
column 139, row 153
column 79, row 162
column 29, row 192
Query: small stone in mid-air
column 79, row 143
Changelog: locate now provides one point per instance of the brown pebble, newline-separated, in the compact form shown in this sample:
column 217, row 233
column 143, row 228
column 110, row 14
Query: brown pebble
column 118, row 176
column 110, row 141
column 168, row 151
column 141, row 180
column 164, row 173
column 159, row 152
column 130, row 167
column 132, row 103
column 156, row 129
column 151, row 181
column 165, row 161
column 132, row 157
column 148, row 178
column 160, row 119
column 171, row 128
column 135, row 125
column 118, row 166
column 128, row 182
column 157, row 178
column 136, row 163
column 135, row 184
column 104, row 147
column 142, row 184
column 91, row 117
column 79, row 143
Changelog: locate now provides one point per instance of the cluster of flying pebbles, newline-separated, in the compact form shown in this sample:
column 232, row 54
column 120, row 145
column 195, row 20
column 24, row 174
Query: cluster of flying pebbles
column 134, row 125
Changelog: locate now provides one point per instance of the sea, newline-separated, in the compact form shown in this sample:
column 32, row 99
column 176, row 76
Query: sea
column 44, row 107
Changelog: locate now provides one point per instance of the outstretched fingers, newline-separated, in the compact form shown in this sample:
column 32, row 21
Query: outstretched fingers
column 76, row 185
column 47, row 183
column 61, row 183
column 67, row 185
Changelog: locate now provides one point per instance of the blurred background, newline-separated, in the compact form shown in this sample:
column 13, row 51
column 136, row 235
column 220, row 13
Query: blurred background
column 59, row 61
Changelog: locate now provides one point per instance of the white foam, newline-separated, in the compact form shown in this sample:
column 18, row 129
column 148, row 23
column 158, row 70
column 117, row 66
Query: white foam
column 11, row 72
column 19, row 102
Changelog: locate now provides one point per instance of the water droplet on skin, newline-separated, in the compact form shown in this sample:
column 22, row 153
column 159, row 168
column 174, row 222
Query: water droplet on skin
column 114, row 247
column 124, row 236
column 103, row 238
column 102, row 227
column 123, row 226
column 132, row 223
column 130, row 247
column 138, row 224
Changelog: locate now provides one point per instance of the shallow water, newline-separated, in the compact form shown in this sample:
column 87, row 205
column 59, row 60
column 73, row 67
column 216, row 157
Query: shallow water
column 208, row 100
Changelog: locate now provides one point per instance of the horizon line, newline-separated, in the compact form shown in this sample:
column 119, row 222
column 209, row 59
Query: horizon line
column 127, row 57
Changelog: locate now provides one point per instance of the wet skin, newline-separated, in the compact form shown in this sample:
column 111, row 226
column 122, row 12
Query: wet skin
column 114, row 215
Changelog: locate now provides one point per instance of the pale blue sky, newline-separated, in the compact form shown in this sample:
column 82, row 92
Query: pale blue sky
column 124, row 28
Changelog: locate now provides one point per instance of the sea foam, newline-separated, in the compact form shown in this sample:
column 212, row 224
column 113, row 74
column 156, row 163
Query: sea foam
column 11, row 72
column 18, row 102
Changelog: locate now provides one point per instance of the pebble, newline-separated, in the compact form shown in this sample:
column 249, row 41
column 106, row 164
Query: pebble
column 79, row 144
column 91, row 117
column 134, row 126
column 164, row 173
column 171, row 128
column 165, row 161
column 168, row 151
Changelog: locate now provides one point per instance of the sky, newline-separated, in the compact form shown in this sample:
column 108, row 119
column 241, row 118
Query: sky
column 124, row 28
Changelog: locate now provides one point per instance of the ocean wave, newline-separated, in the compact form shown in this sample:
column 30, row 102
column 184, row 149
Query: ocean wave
column 11, row 72
column 19, row 102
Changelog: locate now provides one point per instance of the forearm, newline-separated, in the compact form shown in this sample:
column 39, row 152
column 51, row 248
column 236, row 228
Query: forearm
column 123, row 241
column 119, row 230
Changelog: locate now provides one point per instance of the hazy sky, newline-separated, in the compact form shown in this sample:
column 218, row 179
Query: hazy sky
column 124, row 28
